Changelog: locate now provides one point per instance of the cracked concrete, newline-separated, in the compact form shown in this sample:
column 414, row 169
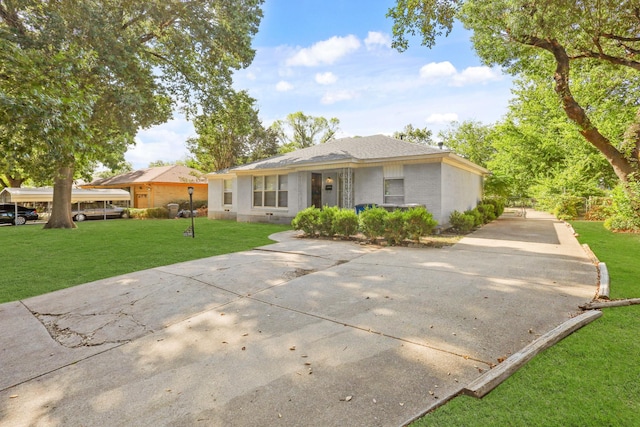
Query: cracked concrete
column 283, row 334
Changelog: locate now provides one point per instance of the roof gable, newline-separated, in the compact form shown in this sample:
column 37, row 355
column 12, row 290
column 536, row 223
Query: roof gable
column 161, row 174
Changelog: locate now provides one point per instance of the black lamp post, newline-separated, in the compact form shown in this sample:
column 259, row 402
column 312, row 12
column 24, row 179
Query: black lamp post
column 193, row 230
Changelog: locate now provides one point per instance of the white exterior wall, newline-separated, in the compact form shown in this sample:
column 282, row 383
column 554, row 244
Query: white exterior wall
column 368, row 186
column 216, row 208
column 422, row 185
column 461, row 190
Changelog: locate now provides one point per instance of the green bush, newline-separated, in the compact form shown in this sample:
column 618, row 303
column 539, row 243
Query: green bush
column 487, row 212
column 395, row 230
column 567, row 207
column 621, row 223
column 345, row 222
column 419, row 222
column 307, row 220
column 478, row 218
column 498, row 205
column 626, row 205
column 325, row 220
column 156, row 213
column 460, row 222
column 371, row 222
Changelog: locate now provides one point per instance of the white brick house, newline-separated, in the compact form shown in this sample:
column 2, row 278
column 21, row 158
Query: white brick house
column 347, row 172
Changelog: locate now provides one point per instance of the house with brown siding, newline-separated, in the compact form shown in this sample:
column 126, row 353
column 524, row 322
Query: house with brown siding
column 158, row 186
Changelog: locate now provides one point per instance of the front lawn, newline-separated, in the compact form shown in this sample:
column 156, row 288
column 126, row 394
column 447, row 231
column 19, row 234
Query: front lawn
column 37, row 261
column 591, row 378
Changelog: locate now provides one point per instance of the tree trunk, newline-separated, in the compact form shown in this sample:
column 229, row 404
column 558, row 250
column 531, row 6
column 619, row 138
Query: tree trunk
column 61, row 212
column 622, row 166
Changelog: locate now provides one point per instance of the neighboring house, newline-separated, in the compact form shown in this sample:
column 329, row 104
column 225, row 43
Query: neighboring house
column 157, row 187
column 347, row 172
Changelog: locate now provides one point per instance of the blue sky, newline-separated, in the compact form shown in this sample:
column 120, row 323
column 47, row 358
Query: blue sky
column 333, row 58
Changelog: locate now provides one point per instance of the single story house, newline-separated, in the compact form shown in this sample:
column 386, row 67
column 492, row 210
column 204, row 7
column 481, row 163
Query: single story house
column 157, row 186
column 347, row 172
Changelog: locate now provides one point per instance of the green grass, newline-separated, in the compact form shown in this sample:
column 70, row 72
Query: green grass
column 36, row 261
column 591, row 378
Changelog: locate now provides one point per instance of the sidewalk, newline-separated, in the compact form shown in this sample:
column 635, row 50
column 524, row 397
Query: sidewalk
column 300, row 332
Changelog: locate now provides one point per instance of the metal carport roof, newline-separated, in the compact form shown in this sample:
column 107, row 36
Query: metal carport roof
column 45, row 194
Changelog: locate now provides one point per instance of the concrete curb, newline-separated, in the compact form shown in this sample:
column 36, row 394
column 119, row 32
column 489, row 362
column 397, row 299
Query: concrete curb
column 603, row 273
column 603, row 289
column 487, row 382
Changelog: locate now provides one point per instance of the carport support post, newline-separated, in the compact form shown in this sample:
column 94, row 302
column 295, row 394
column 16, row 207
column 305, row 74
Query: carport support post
column 193, row 230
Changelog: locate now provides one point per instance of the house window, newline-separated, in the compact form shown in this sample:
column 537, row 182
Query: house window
column 227, row 197
column 394, row 191
column 270, row 191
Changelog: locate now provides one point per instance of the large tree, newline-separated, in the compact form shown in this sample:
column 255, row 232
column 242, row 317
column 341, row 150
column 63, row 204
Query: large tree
column 517, row 34
column 469, row 139
column 415, row 135
column 79, row 78
column 231, row 135
column 298, row 130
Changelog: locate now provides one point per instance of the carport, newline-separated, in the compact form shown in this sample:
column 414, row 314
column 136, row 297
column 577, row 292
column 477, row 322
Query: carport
column 45, row 194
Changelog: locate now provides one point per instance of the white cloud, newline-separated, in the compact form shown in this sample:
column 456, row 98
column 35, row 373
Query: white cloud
column 326, row 78
column 440, row 118
column 283, row 86
column 333, row 97
column 324, row 52
column 375, row 38
column 473, row 75
column 437, row 70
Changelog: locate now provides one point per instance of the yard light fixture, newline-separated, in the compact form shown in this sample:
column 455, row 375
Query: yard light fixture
column 193, row 230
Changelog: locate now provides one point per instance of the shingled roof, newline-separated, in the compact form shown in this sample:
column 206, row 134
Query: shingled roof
column 357, row 149
column 161, row 174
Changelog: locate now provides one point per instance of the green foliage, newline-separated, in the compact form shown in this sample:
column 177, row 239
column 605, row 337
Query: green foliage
column 478, row 218
column 488, row 212
column 326, row 220
column 148, row 213
column 626, row 205
column 568, row 207
column 415, row 135
column 469, row 139
column 345, row 223
column 372, row 222
column 498, row 205
column 301, row 131
column 231, row 134
column 80, row 79
column 395, row 230
column 461, row 222
column 419, row 222
column 307, row 220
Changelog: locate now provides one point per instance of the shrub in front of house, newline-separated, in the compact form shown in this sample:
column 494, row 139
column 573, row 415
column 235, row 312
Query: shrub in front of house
column 371, row 222
column 326, row 220
column 149, row 213
column 487, row 212
column 395, row 230
column 461, row 222
column 478, row 218
column 307, row 220
column 345, row 223
column 419, row 222
column 498, row 205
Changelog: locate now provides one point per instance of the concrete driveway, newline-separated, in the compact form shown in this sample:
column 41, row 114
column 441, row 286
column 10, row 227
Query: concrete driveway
column 298, row 333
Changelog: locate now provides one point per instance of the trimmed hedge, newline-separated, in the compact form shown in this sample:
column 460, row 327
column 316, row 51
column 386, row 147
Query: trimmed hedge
column 375, row 222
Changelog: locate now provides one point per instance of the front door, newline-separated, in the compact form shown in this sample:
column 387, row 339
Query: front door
column 316, row 190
